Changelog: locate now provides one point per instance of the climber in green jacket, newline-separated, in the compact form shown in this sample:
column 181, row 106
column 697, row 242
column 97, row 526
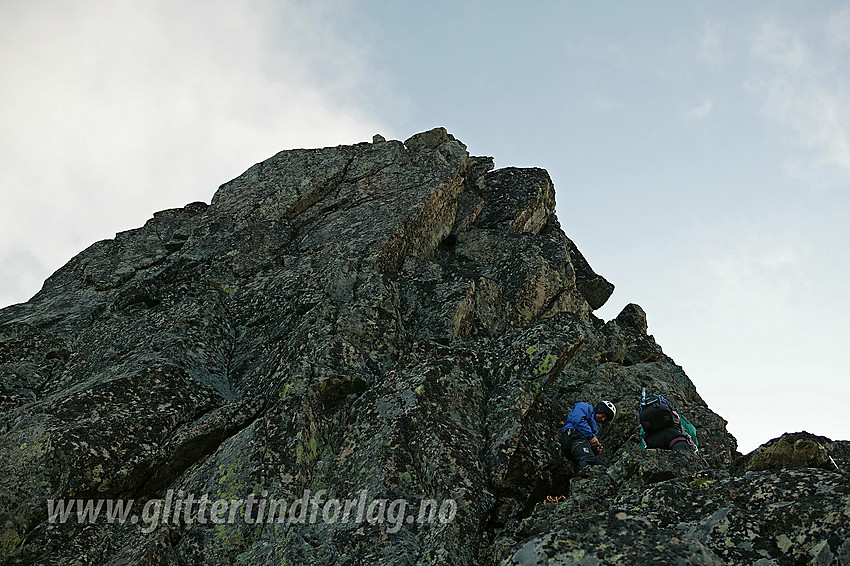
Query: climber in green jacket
column 664, row 428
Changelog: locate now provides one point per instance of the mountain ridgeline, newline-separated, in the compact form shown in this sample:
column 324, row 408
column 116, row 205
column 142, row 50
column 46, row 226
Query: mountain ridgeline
column 387, row 338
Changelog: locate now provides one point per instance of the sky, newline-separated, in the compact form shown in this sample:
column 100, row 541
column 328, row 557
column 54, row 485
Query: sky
column 700, row 150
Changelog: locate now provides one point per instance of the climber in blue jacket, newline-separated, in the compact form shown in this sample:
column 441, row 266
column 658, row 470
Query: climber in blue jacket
column 578, row 436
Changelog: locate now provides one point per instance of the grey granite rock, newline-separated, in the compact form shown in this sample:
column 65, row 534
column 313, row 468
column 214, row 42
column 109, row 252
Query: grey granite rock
column 369, row 324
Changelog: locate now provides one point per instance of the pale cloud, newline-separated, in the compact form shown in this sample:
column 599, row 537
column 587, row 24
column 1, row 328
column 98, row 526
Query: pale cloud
column 778, row 257
column 838, row 27
column 711, row 42
column 804, row 90
column 111, row 111
column 18, row 269
column 606, row 104
column 830, row 127
column 700, row 112
column 823, row 123
column 750, row 307
column 743, row 308
column 755, row 281
column 747, row 282
column 779, row 45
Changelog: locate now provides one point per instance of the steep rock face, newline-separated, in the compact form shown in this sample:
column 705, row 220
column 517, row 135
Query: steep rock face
column 396, row 320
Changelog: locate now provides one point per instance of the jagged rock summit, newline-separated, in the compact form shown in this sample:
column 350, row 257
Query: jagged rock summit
column 379, row 342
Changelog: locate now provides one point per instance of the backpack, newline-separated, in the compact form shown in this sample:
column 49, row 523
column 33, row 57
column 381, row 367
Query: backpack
column 656, row 414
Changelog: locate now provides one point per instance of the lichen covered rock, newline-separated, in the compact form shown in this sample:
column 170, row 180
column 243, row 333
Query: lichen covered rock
column 369, row 324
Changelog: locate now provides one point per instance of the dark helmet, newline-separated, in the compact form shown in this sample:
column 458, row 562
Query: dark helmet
column 606, row 408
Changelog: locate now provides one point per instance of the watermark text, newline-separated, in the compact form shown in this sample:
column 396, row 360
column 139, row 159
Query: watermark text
column 311, row 508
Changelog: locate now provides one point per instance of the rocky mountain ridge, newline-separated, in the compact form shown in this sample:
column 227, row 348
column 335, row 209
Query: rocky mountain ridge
column 397, row 319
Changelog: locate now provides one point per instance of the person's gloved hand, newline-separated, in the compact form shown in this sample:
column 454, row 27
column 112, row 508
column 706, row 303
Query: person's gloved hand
column 595, row 446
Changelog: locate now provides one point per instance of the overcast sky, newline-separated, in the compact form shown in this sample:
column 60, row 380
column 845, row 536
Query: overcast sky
column 700, row 150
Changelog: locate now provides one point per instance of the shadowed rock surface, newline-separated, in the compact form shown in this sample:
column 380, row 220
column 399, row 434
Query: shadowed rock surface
column 392, row 317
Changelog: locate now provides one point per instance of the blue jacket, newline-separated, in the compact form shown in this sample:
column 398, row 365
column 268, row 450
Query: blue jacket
column 583, row 419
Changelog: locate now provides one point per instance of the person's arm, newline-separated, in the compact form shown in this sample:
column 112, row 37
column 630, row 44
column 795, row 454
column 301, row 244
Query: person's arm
column 592, row 428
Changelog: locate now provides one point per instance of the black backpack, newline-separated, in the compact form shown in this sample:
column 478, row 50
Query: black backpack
column 656, row 414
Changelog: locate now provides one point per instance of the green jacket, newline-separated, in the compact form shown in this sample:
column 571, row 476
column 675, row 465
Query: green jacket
column 689, row 429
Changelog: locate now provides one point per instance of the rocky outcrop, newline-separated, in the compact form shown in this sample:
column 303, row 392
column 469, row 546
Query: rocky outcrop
column 661, row 507
column 370, row 324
